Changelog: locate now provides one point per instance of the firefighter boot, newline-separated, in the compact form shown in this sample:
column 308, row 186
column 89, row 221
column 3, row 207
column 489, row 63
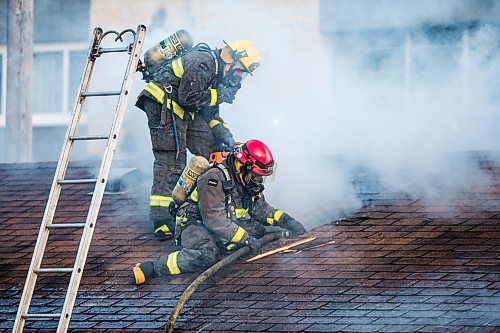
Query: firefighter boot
column 143, row 272
column 162, row 232
column 163, row 225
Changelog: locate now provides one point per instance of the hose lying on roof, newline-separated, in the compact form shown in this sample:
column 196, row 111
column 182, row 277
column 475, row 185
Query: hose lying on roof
column 208, row 273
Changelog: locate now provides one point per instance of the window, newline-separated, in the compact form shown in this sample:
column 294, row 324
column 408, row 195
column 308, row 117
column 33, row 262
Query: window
column 47, row 82
column 76, row 65
column 61, row 36
column 57, row 71
column 432, row 63
column 436, row 53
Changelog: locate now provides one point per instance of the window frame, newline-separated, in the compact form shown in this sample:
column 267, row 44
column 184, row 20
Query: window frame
column 62, row 117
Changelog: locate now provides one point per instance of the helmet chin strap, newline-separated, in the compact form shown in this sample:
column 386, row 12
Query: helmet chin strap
column 237, row 169
column 241, row 178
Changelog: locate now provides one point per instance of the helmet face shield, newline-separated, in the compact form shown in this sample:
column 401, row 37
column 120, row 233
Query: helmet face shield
column 255, row 183
column 264, row 179
column 243, row 57
column 234, row 77
column 270, row 178
column 256, row 179
column 263, row 170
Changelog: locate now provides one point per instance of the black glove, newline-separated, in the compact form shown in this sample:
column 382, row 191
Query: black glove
column 173, row 208
column 226, row 94
column 229, row 141
column 253, row 243
column 295, row 227
column 223, row 135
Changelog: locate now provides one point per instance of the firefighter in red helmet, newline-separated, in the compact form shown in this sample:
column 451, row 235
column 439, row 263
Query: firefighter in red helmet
column 226, row 210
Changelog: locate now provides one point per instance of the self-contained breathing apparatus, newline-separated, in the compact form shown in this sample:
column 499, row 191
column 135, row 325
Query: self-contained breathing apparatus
column 155, row 68
column 186, row 186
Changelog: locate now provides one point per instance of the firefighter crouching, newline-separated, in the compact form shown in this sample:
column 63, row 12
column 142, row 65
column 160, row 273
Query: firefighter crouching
column 181, row 102
column 225, row 211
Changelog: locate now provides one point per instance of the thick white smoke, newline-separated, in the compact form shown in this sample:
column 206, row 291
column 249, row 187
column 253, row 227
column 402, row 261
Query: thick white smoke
column 402, row 117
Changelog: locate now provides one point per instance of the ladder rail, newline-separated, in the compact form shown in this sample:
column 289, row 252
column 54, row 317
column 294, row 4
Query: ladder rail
column 54, row 194
column 102, row 180
column 134, row 51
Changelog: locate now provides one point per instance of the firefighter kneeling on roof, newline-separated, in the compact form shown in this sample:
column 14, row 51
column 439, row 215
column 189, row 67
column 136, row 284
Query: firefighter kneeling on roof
column 225, row 211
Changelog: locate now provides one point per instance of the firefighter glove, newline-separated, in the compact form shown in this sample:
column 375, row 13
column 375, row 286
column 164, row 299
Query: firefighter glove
column 295, row 227
column 223, row 135
column 253, row 243
column 229, row 141
column 173, row 208
column 226, row 94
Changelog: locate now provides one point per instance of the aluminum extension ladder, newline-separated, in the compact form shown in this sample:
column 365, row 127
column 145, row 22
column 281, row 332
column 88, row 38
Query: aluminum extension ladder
column 95, row 51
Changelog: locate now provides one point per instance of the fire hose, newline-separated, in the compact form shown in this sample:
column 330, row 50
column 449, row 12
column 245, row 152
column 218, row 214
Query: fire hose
column 208, row 273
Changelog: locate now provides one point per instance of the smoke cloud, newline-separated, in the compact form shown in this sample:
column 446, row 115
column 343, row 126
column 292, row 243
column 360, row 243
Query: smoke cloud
column 404, row 104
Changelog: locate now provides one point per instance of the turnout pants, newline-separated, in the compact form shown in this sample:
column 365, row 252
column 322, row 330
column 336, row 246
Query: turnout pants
column 193, row 134
column 200, row 249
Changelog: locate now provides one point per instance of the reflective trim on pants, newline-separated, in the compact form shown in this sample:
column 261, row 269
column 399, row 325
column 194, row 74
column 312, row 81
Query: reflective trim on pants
column 159, row 201
column 172, row 263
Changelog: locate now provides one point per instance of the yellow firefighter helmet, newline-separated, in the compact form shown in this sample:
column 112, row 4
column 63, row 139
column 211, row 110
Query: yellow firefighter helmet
column 241, row 51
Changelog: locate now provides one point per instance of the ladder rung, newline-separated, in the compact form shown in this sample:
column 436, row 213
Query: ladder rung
column 65, row 225
column 90, row 137
column 41, row 315
column 53, row 270
column 101, row 93
column 61, row 177
column 113, row 49
column 77, row 181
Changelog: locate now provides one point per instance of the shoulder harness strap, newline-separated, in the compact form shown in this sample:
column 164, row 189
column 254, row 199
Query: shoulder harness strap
column 204, row 47
column 227, row 186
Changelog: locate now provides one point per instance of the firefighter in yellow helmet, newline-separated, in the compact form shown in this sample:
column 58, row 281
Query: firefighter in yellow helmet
column 181, row 101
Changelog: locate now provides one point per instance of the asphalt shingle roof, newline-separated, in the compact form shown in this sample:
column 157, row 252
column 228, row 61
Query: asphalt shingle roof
column 398, row 265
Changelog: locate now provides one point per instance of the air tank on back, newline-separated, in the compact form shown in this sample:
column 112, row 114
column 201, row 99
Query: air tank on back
column 195, row 167
column 172, row 46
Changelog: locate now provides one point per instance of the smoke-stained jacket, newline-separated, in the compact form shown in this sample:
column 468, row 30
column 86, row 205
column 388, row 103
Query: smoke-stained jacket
column 193, row 79
column 212, row 209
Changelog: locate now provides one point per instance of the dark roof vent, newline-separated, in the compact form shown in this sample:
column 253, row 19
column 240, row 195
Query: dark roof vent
column 123, row 180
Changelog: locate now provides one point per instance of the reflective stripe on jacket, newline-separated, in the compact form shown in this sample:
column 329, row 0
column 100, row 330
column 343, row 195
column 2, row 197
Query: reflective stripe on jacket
column 159, row 95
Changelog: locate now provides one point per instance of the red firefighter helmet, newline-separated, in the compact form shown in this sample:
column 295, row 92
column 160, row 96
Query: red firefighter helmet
column 255, row 156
